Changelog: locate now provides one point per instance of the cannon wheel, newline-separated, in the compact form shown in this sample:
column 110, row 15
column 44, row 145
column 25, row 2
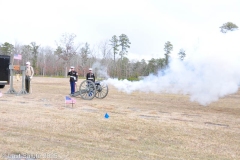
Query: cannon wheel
column 87, row 90
column 101, row 90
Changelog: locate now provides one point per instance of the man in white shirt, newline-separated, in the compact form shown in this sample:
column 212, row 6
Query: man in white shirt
column 29, row 76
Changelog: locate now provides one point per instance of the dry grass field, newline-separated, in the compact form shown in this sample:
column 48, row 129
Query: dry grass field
column 141, row 126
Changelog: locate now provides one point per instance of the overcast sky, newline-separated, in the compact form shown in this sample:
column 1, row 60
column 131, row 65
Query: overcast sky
column 147, row 23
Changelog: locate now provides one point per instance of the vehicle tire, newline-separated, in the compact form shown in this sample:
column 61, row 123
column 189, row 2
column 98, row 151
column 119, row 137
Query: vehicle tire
column 2, row 86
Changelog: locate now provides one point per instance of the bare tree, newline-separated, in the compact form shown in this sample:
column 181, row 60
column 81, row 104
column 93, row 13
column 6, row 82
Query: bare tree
column 105, row 49
column 84, row 52
column 66, row 49
column 17, row 50
column 35, row 51
column 26, row 53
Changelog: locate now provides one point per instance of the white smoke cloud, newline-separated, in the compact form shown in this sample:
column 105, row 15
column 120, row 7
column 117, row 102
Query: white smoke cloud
column 208, row 73
column 100, row 70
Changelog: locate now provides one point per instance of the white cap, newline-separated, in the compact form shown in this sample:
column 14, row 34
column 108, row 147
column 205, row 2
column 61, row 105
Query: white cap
column 28, row 63
column 72, row 67
column 90, row 69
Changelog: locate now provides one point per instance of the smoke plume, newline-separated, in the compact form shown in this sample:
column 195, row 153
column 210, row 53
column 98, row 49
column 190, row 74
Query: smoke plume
column 209, row 72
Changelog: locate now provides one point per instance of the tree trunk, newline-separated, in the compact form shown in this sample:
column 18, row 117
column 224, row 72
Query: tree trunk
column 66, row 72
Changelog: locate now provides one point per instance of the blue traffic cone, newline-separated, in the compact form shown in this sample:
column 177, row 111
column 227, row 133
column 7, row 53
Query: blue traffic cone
column 106, row 115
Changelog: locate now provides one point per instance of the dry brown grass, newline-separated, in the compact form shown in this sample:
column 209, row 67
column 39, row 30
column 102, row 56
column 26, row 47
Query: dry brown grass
column 141, row 126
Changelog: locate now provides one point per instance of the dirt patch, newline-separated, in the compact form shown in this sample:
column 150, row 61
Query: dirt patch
column 140, row 125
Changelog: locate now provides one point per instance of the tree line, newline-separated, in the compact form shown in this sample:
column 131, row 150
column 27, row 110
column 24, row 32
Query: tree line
column 112, row 54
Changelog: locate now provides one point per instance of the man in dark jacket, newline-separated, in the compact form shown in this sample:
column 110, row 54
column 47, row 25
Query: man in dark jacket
column 90, row 76
column 73, row 79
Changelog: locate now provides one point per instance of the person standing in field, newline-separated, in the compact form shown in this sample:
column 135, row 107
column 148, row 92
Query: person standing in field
column 29, row 76
column 73, row 79
column 90, row 76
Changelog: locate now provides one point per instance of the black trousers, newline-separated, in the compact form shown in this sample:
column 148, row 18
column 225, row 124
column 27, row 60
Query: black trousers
column 27, row 83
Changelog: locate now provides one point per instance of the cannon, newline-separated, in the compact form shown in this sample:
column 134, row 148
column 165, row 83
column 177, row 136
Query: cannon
column 88, row 90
